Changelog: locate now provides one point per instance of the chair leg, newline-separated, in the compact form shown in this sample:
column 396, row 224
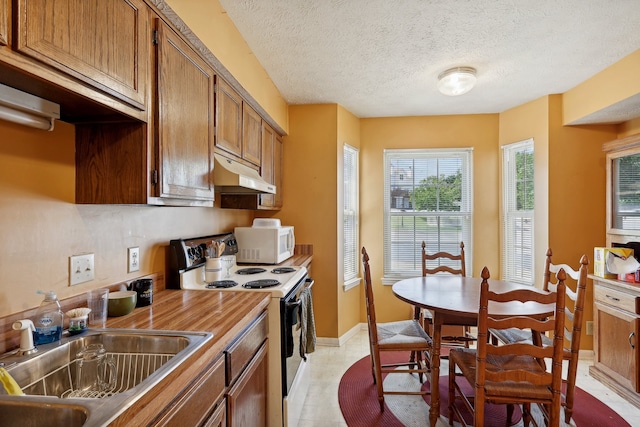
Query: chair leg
column 510, row 409
column 452, row 392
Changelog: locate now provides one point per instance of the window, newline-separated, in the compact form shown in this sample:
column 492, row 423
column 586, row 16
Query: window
column 625, row 179
column 350, row 217
column 428, row 197
column 518, row 192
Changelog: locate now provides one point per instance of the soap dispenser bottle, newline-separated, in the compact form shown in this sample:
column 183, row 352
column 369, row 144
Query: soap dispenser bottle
column 48, row 321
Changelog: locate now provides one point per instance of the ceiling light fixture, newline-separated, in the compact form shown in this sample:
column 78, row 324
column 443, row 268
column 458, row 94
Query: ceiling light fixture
column 26, row 109
column 457, row 81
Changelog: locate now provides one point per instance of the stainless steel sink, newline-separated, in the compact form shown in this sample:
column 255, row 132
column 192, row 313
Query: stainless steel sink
column 32, row 413
column 143, row 358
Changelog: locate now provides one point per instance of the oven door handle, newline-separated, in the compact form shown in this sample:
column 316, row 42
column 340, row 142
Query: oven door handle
column 308, row 283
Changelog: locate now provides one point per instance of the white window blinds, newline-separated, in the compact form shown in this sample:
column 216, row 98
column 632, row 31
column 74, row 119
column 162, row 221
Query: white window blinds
column 428, row 197
column 626, row 192
column 350, row 215
column 518, row 208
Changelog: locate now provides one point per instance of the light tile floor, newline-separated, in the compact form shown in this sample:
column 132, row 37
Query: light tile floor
column 321, row 407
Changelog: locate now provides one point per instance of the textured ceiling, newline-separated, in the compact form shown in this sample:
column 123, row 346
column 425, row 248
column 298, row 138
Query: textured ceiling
column 381, row 58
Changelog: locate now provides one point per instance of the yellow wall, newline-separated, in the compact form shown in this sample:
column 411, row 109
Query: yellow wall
column 210, row 22
column 41, row 226
column 310, row 182
column 612, row 85
column 631, row 127
column 377, row 134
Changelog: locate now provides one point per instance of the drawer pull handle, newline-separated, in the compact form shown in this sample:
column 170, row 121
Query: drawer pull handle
column 613, row 298
column 632, row 335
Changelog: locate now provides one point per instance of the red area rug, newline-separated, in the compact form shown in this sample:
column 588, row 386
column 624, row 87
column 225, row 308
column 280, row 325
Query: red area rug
column 359, row 402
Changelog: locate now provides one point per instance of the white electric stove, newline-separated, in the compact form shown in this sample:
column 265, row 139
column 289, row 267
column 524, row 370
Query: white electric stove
column 289, row 372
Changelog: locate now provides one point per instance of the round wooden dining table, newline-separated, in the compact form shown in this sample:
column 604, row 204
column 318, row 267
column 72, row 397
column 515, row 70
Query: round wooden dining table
column 454, row 300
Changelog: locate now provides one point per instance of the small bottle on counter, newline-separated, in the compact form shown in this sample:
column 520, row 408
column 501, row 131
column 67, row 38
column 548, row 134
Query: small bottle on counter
column 48, row 321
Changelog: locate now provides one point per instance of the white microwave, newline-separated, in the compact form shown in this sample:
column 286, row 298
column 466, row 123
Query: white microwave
column 264, row 245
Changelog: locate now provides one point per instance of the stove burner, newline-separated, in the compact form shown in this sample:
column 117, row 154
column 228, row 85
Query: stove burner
column 221, row 284
column 282, row 270
column 260, row 284
column 251, row 270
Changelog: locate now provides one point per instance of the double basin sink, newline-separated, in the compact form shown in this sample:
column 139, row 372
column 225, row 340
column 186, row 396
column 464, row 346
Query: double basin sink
column 143, row 358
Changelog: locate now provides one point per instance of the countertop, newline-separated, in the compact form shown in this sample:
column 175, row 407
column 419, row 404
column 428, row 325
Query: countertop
column 225, row 314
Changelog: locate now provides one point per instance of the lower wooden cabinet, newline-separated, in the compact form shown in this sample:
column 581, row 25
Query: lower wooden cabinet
column 196, row 405
column 247, row 398
column 617, row 337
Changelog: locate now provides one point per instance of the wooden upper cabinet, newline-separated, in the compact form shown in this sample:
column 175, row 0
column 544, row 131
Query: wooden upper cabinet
column 251, row 135
column 184, row 125
column 266, row 170
column 4, row 22
column 103, row 43
column 228, row 118
column 278, row 152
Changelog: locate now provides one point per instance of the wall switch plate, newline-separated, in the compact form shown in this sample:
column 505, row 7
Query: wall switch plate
column 589, row 328
column 81, row 269
column 133, row 255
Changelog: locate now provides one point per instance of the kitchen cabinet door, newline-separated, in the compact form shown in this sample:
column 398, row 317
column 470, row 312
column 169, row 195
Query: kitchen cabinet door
column 278, row 152
column 102, row 43
column 251, row 135
column 228, row 119
column 617, row 353
column 247, row 398
column 184, row 125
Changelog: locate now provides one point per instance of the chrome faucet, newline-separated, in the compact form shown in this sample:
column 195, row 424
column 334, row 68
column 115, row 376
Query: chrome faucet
column 26, row 329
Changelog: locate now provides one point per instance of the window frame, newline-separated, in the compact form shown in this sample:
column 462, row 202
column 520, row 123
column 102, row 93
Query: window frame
column 351, row 210
column 391, row 274
column 510, row 213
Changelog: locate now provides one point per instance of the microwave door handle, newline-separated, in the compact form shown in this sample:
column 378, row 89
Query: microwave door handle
column 290, row 241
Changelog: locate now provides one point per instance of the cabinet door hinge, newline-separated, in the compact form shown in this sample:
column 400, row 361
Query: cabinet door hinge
column 155, row 37
column 154, row 176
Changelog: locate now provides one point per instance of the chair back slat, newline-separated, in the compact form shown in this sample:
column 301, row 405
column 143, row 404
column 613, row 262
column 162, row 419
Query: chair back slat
column 443, row 262
column 539, row 352
column 521, row 322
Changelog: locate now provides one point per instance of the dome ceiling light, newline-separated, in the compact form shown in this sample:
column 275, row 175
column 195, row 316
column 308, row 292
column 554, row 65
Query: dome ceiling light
column 457, row 81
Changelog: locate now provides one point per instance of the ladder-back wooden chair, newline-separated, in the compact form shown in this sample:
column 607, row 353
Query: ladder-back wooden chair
column 574, row 312
column 510, row 373
column 404, row 335
column 436, row 263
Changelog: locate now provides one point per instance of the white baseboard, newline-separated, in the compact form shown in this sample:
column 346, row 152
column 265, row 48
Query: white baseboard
column 337, row 342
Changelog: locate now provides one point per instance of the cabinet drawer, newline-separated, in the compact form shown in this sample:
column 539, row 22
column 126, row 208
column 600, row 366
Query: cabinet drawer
column 196, row 404
column 617, row 299
column 242, row 350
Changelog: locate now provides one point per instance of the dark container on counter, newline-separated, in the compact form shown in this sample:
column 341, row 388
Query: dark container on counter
column 144, row 288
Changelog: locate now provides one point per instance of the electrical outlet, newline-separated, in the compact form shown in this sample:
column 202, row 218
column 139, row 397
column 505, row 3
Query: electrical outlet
column 589, row 327
column 133, row 255
column 81, row 269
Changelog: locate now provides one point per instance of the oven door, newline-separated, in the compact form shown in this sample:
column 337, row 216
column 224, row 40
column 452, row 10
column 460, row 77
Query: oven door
column 291, row 357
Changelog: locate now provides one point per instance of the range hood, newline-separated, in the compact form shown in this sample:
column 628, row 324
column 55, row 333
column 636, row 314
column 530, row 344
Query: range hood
column 231, row 177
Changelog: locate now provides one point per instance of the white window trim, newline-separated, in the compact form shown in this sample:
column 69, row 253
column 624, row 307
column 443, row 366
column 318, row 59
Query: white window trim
column 354, row 279
column 507, row 178
column 467, row 154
